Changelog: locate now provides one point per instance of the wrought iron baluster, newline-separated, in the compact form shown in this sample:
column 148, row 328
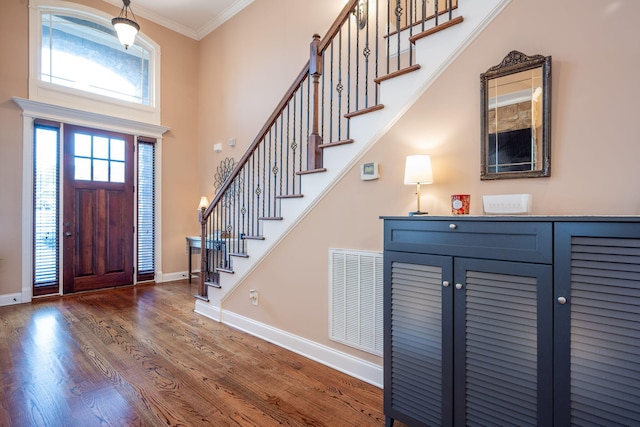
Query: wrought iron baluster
column 302, row 129
column 339, row 86
column 264, row 184
column 366, row 53
column 280, row 171
column 357, row 61
column 377, row 53
column 435, row 11
column 331, row 97
column 269, row 191
column 288, row 173
column 349, row 68
column 388, row 37
column 398, row 13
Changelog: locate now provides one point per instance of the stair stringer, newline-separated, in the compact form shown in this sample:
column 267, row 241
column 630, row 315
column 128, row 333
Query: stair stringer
column 434, row 54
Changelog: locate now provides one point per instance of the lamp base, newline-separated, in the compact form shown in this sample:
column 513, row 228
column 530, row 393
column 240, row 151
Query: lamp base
column 418, row 213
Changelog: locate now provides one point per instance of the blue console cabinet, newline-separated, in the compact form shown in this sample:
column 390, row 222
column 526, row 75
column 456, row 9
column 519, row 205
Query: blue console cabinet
column 512, row 321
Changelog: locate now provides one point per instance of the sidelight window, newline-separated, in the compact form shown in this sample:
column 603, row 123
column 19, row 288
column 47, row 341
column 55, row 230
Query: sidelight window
column 46, row 174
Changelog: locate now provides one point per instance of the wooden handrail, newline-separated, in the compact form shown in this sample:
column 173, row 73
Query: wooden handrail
column 304, row 73
column 333, row 30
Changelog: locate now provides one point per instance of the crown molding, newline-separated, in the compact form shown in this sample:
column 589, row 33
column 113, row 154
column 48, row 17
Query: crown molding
column 198, row 34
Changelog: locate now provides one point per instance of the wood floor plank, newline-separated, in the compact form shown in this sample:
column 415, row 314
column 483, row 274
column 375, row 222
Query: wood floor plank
column 140, row 356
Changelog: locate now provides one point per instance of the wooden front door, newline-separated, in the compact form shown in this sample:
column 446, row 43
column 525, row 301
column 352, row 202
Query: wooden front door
column 97, row 230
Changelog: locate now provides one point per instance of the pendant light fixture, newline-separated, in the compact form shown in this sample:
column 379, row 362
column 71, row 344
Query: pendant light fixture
column 125, row 27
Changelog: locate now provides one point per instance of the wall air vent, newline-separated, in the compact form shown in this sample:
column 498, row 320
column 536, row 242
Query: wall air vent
column 355, row 299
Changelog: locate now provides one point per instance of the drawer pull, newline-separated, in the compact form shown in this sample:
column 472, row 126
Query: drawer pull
column 453, row 226
column 445, row 284
column 562, row 300
column 458, row 285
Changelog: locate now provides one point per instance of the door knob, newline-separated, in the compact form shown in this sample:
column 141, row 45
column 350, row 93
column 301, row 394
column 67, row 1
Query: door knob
column 458, row 285
column 445, row 284
column 562, row 300
column 68, row 233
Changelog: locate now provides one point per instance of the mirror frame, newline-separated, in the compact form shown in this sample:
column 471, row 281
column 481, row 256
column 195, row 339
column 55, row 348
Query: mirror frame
column 516, row 62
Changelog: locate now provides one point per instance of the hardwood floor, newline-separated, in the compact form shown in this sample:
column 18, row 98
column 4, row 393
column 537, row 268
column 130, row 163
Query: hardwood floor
column 140, row 356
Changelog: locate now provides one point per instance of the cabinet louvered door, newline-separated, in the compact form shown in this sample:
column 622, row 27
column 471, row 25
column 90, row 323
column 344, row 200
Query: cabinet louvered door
column 598, row 328
column 503, row 354
column 418, row 339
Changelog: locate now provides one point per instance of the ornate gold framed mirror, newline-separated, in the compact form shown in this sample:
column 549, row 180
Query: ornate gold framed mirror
column 516, row 118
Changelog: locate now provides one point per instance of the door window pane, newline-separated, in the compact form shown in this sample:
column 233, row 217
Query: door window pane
column 101, row 170
column 117, row 172
column 82, row 145
column 100, row 147
column 117, row 149
column 83, row 169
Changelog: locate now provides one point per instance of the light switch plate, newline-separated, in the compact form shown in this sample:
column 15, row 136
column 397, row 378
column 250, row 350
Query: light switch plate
column 507, row 204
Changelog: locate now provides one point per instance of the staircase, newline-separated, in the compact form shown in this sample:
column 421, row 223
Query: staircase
column 373, row 64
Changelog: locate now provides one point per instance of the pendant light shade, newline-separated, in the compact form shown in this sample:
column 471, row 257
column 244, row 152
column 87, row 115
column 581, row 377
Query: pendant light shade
column 125, row 27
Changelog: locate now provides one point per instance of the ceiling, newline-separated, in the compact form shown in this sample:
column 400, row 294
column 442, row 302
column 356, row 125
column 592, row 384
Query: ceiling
column 192, row 18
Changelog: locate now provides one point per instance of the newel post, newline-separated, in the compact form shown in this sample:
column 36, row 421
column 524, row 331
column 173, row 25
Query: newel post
column 314, row 153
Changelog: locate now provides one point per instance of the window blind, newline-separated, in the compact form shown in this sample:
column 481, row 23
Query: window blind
column 46, row 176
column 146, row 209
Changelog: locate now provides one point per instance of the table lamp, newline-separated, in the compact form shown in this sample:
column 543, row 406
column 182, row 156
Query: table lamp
column 418, row 171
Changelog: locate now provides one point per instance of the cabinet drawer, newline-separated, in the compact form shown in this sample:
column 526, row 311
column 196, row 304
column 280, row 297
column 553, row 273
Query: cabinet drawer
column 509, row 241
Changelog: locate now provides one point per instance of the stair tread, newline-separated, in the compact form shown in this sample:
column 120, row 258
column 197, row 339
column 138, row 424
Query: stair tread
column 440, row 27
column 336, row 143
column 239, row 255
column 289, row 196
column 398, row 73
column 213, row 284
column 253, row 237
column 364, row 111
column 311, row 171
column 224, row 270
column 270, row 218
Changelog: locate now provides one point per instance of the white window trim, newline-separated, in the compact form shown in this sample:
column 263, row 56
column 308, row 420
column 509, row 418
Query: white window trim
column 40, row 110
column 69, row 97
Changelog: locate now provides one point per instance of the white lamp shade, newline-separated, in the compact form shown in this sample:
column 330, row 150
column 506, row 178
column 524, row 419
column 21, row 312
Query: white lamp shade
column 204, row 202
column 126, row 29
column 418, row 170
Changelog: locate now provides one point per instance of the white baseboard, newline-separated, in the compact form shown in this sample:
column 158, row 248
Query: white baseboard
column 343, row 362
column 10, row 299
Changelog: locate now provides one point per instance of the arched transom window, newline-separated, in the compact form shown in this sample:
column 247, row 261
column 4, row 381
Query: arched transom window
column 76, row 54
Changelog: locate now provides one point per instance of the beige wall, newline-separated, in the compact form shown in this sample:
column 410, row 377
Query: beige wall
column 595, row 152
column 13, row 82
column 179, row 148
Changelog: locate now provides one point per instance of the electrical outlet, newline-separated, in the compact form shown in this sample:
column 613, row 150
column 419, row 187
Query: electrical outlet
column 253, row 296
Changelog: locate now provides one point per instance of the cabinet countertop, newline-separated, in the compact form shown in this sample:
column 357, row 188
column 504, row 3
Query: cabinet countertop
column 521, row 218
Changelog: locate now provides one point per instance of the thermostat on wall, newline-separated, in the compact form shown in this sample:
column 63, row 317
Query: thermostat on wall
column 369, row 171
